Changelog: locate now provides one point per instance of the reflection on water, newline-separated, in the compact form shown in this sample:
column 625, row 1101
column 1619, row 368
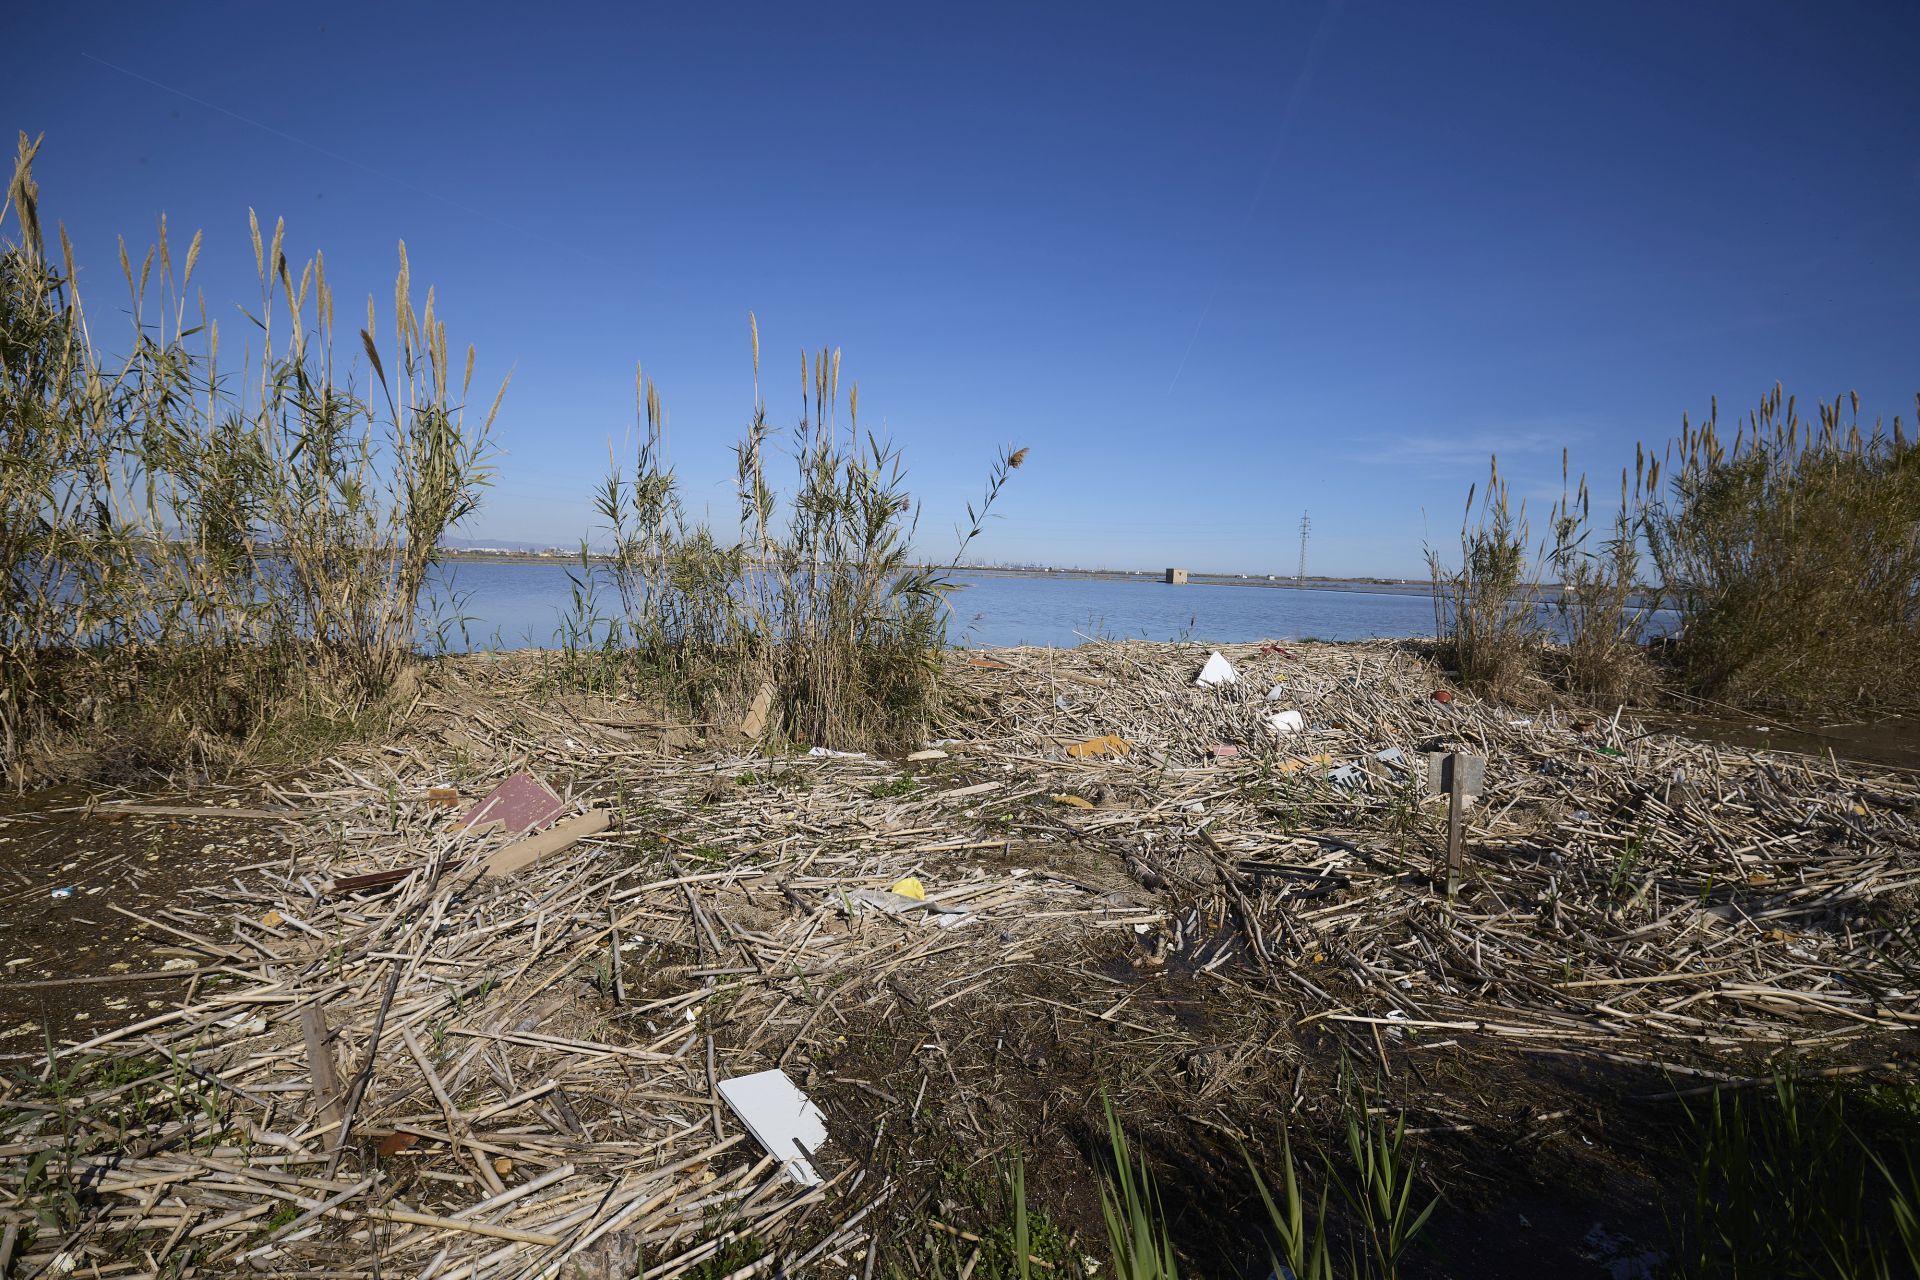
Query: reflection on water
column 1891, row 740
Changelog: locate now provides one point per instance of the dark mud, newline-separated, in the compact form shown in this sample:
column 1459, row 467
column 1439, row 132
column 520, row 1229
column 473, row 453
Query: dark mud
column 73, row 956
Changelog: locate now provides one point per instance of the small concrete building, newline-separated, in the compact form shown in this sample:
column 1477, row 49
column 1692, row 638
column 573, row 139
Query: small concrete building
column 1177, row 577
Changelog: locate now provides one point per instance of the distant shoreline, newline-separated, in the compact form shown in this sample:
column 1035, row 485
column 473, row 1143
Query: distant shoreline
column 1546, row 592
column 1379, row 586
column 1382, row 586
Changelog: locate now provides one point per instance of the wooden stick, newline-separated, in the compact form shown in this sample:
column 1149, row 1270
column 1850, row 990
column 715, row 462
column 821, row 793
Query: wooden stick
column 321, row 1065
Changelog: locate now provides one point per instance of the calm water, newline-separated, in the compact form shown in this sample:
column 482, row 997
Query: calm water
column 519, row 606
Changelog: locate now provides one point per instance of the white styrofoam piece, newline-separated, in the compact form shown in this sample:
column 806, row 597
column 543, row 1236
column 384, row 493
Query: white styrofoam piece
column 1276, row 693
column 1286, row 722
column 1218, row 671
column 781, row 1117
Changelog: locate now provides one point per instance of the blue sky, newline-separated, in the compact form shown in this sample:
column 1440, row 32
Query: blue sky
column 1215, row 265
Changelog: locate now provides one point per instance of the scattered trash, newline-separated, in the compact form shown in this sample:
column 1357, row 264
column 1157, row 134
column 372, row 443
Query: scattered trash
column 1276, row 693
column 519, row 804
column 828, row 753
column 1108, row 745
column 754, row 901
column 1285, row 722
column 1274, row 648
column 273, row 919
column 443, row 797
column 931, row 753
column 503, row 861
column 1348, row 776
column 1442, row 697
column 63, row 893
column 502, row 1166
column 990, row 664
column 1223, row 751
column 1216, row 672
column 563, row 835
column 1394, row 760
column 782, row 1118
column 887, row 902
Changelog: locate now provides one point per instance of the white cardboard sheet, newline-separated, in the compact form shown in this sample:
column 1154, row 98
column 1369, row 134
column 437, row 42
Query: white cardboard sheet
column 1217, row 671
column 782, row 1118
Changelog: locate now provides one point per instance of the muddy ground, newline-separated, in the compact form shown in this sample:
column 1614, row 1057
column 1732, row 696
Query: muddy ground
column 1561, row 1164
column 78, row 877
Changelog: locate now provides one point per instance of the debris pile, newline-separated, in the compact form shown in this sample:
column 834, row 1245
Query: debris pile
column 678, row 996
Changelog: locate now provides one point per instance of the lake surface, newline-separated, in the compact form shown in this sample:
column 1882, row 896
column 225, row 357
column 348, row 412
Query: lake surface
column 515, row 606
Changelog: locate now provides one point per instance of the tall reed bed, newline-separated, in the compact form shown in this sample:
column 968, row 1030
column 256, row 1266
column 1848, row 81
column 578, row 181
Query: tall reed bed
column 196, row 548
column 1793, row 556
column 1601, row 606
column 1790, row 557
column 817, row 610
column 1484, row 607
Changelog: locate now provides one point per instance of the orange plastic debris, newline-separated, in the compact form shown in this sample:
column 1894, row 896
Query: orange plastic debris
column 1107, row 745
column 1074, row 802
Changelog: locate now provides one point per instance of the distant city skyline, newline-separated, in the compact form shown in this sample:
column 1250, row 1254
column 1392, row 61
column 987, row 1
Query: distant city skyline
column 1215, row 266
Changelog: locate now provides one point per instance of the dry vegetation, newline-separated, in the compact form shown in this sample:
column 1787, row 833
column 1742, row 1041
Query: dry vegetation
column 1233, row 950
column 213, row 562
column 1790, row 559
column 816, row 602
column 192, row 552
column 1793, row 557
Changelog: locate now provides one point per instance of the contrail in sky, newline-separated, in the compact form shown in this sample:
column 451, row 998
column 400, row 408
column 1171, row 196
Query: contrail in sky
column 1295, row 96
